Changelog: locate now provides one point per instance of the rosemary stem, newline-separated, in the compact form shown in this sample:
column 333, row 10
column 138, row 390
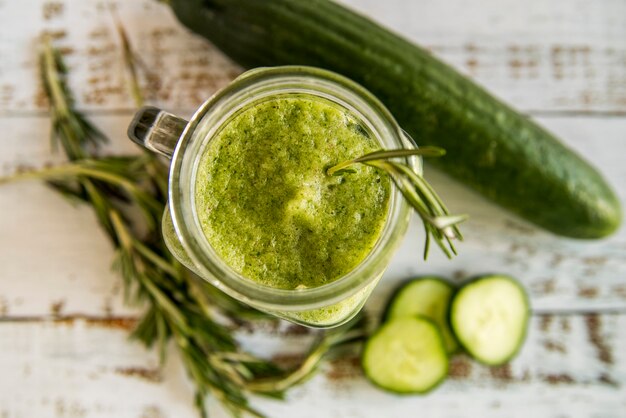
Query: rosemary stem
column 121, row 232
column 51, row 74
column 72, row 170
column 282, row 383
column 344, row 164
column 154, row 258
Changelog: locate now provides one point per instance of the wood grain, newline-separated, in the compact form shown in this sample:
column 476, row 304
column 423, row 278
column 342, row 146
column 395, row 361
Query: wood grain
column 79, row 368
column 559, row 56
column 539, row 56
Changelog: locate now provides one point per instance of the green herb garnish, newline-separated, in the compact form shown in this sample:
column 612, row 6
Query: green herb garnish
column 437, row 221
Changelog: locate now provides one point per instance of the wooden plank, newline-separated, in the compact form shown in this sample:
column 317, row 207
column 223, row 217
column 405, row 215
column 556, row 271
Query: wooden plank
column 85, row 369
column 53, row 255
column 539, row 56
column 183, row 69
column 573, row 364
column 55, row 260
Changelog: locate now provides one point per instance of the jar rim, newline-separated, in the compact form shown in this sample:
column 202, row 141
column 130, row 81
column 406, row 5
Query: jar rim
column 246, row 89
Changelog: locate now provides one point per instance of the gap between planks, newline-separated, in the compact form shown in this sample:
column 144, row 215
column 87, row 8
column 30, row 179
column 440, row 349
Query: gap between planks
column 273, row 326
column 565, row 113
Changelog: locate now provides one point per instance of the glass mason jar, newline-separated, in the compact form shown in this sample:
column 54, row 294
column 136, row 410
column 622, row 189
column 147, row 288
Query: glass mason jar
column 184, row 142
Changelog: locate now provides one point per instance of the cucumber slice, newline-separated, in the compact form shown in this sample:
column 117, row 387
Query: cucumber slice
column 406, row 355
column 428, row 296
column 489, row 317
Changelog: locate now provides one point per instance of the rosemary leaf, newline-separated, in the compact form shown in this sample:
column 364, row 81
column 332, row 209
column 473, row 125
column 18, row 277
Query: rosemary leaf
column 386, row 155
column 130, row 60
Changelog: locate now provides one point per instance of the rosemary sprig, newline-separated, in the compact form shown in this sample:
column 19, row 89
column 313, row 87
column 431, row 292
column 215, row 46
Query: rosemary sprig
column 128, row 196
column 116, row 188
column 438, row 223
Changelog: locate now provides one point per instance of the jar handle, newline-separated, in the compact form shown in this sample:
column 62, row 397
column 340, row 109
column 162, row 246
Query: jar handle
column 156, row 130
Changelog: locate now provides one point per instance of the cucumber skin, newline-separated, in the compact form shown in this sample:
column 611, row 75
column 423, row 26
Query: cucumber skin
column 405, row 283
column 490, row 147
column 522, row 339
column 408, row 393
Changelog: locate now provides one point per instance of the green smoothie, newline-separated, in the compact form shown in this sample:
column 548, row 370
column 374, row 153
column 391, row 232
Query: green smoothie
column 267, row 206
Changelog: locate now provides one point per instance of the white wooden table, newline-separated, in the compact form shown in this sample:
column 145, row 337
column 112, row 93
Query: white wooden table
column 64, row 351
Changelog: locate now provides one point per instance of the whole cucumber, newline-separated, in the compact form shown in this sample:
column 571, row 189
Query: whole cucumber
column 490, row 147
